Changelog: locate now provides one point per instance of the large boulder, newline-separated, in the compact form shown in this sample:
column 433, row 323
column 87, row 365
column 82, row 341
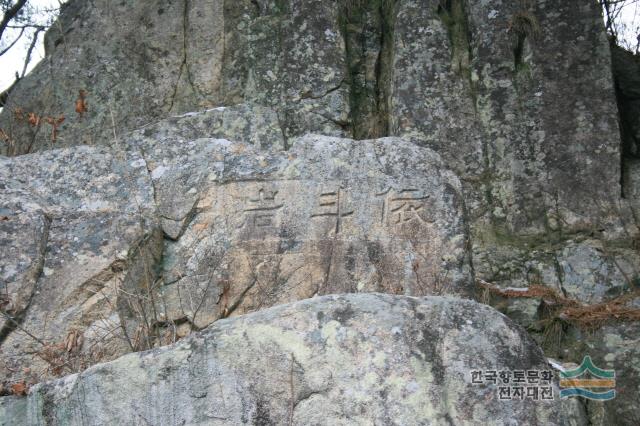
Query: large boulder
column 248, row 230
column 90, row 276
column 354, row 359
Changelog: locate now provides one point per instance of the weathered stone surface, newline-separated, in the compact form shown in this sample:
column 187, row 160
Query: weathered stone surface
column 328, row 216
column 78, row 222
column 24, row 228
column 194, row 55
column 612, row 347
column 247, row 123
column 486, row 85
column 588, row 271
column 515, row 97
column 290, row 55
column 97, row 47
column 430, row 91
column 354, row 359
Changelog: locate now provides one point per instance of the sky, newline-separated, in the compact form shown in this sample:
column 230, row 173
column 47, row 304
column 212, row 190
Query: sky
column 631, row 21
column 13, row 60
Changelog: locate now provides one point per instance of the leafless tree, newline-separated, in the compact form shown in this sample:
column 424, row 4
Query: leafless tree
column 23, row 22
column 617, row 27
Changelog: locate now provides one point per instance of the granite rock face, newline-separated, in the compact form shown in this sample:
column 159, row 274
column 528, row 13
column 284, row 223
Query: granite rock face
column 75, row 225
column 249, row 230
column 139, row 62
column 243, row 229
column 256, row 152
column 588, row 271
column 353, row 359
column 500, row 90
column 252, row 124
column 24, row 229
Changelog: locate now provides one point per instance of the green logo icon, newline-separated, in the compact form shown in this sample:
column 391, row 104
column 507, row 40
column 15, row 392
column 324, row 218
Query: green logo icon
column 599, row 384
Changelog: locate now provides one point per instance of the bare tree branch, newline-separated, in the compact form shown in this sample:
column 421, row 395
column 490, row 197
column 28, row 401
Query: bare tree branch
column 27, row 59
column 10, row 14
column 5, row 50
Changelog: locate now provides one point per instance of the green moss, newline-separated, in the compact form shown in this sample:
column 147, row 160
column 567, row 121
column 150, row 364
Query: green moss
column 525, row 28
column 453, row 15
column 501, row 236
column 367, row 28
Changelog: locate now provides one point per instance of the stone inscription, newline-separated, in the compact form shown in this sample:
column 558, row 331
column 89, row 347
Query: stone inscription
column 308, row 206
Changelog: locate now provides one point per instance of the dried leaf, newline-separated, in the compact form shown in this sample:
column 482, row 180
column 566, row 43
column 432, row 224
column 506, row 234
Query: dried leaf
column 33, row 119
column 19, row 389
column 73, row 341
column 81, row 103
column 55, row 123
column 18, row 113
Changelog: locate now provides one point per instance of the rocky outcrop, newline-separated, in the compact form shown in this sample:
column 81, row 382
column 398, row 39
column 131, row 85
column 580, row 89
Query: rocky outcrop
column 250, row 153
column 328, row 216
column 500, row 90
column 357, row 359
column 244, row 230
column 79, row 223
column 142, row 61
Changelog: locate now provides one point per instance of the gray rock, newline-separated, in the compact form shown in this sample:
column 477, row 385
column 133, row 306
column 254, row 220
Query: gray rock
column 24, row 229
column 589, row 271
column 515, row 97
column 485, row 85
column 592, row 273
column 79, row 223
column 613, row 347
column 355, row 359
column 631, row 184
column 194, row 56
column 247, row 123
column 328, row 216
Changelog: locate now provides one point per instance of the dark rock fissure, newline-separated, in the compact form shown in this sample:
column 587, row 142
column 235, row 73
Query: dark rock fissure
column 518, row 51
column 15, row 321
column 625, row 66
column 453, row 13
column 367, row 29
column 184, row 64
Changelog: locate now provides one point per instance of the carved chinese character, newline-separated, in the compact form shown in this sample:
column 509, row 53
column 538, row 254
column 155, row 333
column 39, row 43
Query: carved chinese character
column 261, row 209
column 402, row 206
column 332, row 205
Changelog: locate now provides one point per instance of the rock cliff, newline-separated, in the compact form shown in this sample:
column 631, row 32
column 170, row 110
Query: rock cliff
column 234, row 156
